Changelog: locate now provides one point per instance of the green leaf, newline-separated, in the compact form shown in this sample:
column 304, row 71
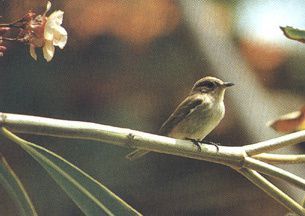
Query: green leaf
column 293, row 33
column 89, row 195
column 14, row 187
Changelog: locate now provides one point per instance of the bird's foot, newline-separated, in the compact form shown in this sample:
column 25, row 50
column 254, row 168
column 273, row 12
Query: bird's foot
column 195, row 142
column 199, row 142
column 211, row 143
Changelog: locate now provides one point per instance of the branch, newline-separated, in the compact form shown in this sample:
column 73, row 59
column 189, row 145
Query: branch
column 280, row 158
column 123, row 137
column 274, row 171
column 276, row 143
column 238, row 158
column 272, row 190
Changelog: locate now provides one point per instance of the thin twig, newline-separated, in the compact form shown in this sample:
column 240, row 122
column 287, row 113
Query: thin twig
column 274, row 171
column 272, row 190
column 14, row 23
column 276, row 143
column 280, row 158
column 9, row 39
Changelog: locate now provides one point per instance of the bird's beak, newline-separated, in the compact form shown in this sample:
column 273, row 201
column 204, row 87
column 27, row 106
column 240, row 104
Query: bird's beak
column 227, row 84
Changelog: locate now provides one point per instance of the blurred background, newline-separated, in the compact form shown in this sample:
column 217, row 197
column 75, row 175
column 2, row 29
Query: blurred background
column 128, row 64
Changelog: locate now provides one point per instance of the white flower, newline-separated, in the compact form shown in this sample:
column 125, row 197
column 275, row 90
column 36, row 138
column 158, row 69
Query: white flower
column 53, row 35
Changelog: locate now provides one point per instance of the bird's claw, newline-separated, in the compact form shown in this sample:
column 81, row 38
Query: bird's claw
column 211, row 143
column 198, row 142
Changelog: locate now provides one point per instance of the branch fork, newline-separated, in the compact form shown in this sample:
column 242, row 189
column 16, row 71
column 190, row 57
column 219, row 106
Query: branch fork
column 248, row 160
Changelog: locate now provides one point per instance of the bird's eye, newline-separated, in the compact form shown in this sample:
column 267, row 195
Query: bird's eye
column 209, row 85
column 205, row 86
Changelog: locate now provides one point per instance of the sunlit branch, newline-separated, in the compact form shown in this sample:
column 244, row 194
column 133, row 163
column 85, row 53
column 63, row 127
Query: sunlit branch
column 272, row 190
column 239, row 158
column 274, row 171
column 276, row 143
column 280, row 158
column 124, row 137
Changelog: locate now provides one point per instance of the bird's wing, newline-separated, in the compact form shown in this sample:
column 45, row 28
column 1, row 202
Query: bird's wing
column 185, row 108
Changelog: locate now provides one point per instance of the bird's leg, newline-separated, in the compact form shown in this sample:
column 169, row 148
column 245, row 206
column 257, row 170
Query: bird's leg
column 195, row 142
column 211, row 143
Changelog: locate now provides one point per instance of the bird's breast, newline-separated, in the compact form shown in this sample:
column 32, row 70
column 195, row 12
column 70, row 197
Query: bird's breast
column 200, row 122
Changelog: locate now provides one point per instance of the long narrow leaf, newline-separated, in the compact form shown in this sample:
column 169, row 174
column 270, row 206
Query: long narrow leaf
column 14, row 187
column 90, row 196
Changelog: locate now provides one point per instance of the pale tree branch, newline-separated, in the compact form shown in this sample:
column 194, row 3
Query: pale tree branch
column 280, row 158
column 274, row 171
column 276, row 143
column 272, row 190
column 238, row 158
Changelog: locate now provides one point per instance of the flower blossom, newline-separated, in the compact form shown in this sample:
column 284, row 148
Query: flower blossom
column 47, row 32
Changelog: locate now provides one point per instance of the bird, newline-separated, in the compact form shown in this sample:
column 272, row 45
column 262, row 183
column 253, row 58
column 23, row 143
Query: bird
column 197, row 115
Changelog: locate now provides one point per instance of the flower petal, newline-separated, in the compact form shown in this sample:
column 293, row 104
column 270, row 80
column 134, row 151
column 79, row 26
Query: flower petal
column 53, row 21
column 48, row 50
column 60, row 37
column 33, row 52
column 48, row 7
column 48, row 31
column 56, row 17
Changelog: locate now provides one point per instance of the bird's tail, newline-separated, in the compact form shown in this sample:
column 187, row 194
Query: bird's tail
column 136, row 154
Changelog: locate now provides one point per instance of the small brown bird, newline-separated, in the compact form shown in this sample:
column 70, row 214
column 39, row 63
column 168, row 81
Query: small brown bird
column 197, row 115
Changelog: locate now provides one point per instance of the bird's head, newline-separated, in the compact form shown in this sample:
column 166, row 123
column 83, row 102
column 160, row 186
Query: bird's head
column 211, row 85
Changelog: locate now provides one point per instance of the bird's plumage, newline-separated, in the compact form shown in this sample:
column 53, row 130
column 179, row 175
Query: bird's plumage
column 197, row 115
column 184, row 109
